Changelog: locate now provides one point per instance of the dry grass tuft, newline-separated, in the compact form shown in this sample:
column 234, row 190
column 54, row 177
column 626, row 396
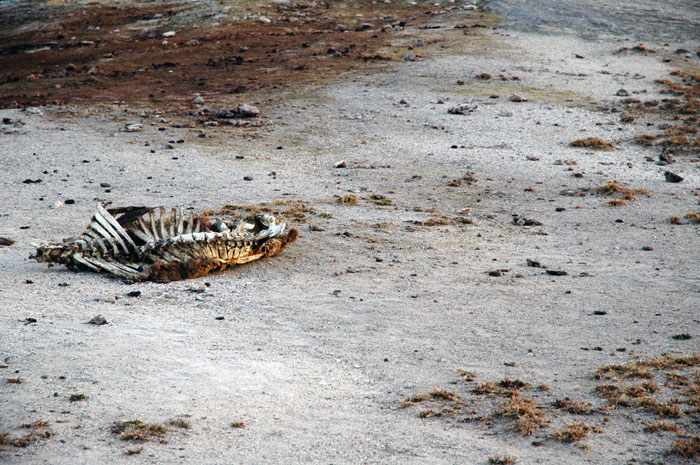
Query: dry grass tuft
column 505, row 460
column 615, row 203
column 615, row 188
column 443, row 394
column 574, row 432
column 686, row 448
column 136, row 430
column 594, row 143
column 630, row 370
column 530, row 416
column 693, row 217
column 347, row 199
column 577, row 408
column 379, row 199
column 675, row 220
column 662, row 426
column 180, row 423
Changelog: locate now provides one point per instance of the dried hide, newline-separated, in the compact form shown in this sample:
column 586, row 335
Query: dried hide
column 150, row 244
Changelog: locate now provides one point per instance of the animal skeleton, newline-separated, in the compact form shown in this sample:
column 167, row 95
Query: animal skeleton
column 149, row 244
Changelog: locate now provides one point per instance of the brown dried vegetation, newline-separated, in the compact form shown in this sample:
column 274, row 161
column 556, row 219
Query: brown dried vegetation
column 574, row 432
column 686, row 448
column 594, row 143
column 682, row 112
column 505, row 460
column 662, row 426
column 529, row 415
column 577, row 408
column 136, row 430
column 125, row 59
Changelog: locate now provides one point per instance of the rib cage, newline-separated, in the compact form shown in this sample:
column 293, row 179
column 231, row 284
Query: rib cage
column 143, row 243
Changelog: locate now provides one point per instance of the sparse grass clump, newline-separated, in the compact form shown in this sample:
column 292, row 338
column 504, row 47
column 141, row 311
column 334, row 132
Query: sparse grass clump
column 77, row 397
column 379, row 199
column 662, row 426
column 630, row 370
column 505, row 460
column 594, row 143
column 686, row 448
column 614, row 188
column 693, row 217
column 136, row 430
column 577, row 408
column 529, row 415
column 180, row 423
column 347, row 199
column 574, row 432
column 615, row 203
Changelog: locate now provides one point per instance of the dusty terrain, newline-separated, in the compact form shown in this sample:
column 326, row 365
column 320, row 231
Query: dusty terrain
column 417, row 258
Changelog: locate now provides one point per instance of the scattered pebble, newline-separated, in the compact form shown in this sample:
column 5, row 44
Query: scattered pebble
column 672, row 177
column 98, row 320
column 517, row 98
column 462, row 109
column 622, row 93
column 557, row 272
column 340, row 164
column 133, row 127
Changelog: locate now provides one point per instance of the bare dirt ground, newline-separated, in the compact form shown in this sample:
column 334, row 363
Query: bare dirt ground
column 468, row 287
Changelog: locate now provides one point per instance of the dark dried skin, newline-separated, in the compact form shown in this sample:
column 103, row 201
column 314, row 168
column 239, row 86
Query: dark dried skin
column 233, row 58
column 175, row 271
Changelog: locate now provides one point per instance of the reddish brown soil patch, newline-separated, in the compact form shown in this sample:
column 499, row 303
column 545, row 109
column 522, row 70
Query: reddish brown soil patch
column 113, row 54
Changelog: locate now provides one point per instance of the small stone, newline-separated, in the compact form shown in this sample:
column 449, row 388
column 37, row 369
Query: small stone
column 409, row 57
column 98, row 320
column 133, row 127
column 92, row 71
column 169, row 34
column 517, row 98
column 105, row 184
column 622, row 93
column 340, row 164
column 533, row 263
column 579, row 56
column 647, row 248
column 69, row 202
column 247, row 178
column 197, row 289
column 247, row 111
column 672, row 177
column 462, row 109
column 599, row 312
column 198, row 100
column 220, row 318
column 556, row 272
column 133, row 293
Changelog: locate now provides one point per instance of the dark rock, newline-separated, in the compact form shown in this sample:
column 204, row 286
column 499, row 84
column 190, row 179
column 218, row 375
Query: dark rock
column 556, row 272
column 672, row 177
column 98, row 320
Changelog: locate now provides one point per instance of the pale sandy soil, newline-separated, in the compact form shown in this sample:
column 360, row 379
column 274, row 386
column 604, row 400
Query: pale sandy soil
column 321, row 345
